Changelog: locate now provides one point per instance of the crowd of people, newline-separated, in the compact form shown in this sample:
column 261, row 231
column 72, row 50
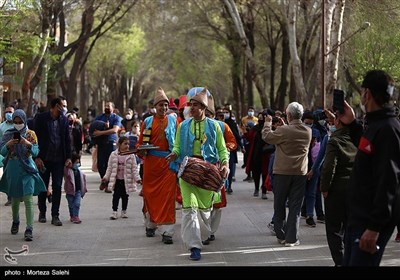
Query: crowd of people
column 321, row 162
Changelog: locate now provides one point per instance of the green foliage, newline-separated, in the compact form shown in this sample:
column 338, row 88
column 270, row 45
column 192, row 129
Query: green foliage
column 378, row 47
column 119, row 51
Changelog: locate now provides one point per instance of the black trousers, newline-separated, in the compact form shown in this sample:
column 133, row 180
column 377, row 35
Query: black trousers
column 120, row 192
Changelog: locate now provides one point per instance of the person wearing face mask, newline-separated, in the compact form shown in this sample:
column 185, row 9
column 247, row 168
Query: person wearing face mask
column 21, row 179
column 128, row 120
column 313, row 197
column 233, row 157
column 75, row 132
column 250, row 117
column 335, row 178
column 105, row 148
column 374, row 190
column 52, row 131
column 258, row 157
column 75, row 187
column 7, row 124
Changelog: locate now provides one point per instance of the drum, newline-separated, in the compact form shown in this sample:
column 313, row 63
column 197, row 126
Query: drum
column 200, row 173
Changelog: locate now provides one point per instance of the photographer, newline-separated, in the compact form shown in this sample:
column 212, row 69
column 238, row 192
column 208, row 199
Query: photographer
column 374, row 202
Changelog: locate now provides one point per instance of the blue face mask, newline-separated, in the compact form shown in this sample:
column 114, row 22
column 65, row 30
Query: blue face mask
column 9, row 116
column 76, row 165
column 332, row 128
column 250, row 114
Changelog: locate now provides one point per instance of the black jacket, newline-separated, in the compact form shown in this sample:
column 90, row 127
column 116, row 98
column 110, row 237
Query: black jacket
column 374, row 192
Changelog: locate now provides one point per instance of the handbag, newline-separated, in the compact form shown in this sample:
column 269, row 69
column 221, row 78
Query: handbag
column 268, row 148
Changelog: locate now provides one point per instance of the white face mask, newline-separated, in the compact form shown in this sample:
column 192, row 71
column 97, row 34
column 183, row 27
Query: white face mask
column 64, row 111
column 362, row 107
column 321, row 122
column 153, row 110
column 128, row 117
column 19, row 126
column 186, row 112
column 226, row 116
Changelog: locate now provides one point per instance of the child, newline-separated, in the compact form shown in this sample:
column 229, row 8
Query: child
column 75, row 187
column 133, row 135
column 122, row 176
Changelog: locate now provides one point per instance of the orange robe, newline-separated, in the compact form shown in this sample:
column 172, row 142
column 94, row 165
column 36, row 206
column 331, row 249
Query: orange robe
column 159, row 182
column 231, row 145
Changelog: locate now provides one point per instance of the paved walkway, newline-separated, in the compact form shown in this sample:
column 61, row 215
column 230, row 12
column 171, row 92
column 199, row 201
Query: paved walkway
column 242, row 240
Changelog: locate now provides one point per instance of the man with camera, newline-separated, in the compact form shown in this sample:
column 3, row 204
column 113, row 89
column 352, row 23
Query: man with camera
column 374, row 202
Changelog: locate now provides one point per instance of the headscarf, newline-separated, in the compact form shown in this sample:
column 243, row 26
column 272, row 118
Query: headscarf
column 19, row 149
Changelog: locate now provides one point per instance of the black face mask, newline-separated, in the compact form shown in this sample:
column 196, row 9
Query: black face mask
column 107, row 111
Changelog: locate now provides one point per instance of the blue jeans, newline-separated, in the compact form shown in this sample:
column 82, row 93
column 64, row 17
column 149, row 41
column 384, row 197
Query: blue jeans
column 310, row 195
column 74, row 203
column 354, row 256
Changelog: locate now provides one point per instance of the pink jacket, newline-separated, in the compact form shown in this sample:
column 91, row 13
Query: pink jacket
column 131, row 172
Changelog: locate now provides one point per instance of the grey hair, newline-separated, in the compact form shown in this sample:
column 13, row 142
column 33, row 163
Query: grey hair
column 295, row 109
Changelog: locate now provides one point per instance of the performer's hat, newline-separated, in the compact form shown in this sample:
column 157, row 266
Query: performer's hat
column 160, row 96
column 201, row 97
column 211, row 107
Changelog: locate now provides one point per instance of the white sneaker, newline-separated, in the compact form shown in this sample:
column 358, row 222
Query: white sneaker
column 123, row 214
column 114, row 215
column 297, row 243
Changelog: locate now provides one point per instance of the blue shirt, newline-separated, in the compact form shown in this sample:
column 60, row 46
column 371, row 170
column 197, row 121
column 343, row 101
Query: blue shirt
column 113, row 119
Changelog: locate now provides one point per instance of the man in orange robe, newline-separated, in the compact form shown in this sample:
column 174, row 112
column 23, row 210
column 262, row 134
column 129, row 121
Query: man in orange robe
column 159, row 177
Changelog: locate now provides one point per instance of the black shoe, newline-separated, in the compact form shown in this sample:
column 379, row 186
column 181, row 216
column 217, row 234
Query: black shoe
column 167, row 239
column 8, row 203
column 56, row 221
column 321, row 219
column 310, row 222
column 42, row 217
column 14, row 227
column 248, row 178
column 28, row 235
column 229, row 191
column 150, row 232
column 208, row 240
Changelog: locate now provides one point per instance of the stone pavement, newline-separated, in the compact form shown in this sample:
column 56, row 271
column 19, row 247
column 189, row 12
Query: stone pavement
column 243, row 238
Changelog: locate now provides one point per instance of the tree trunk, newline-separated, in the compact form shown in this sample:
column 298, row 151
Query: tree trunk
column 81, row 51
column 282, row 89
column 27, row 89
column 333, row 57
column 296, row 63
